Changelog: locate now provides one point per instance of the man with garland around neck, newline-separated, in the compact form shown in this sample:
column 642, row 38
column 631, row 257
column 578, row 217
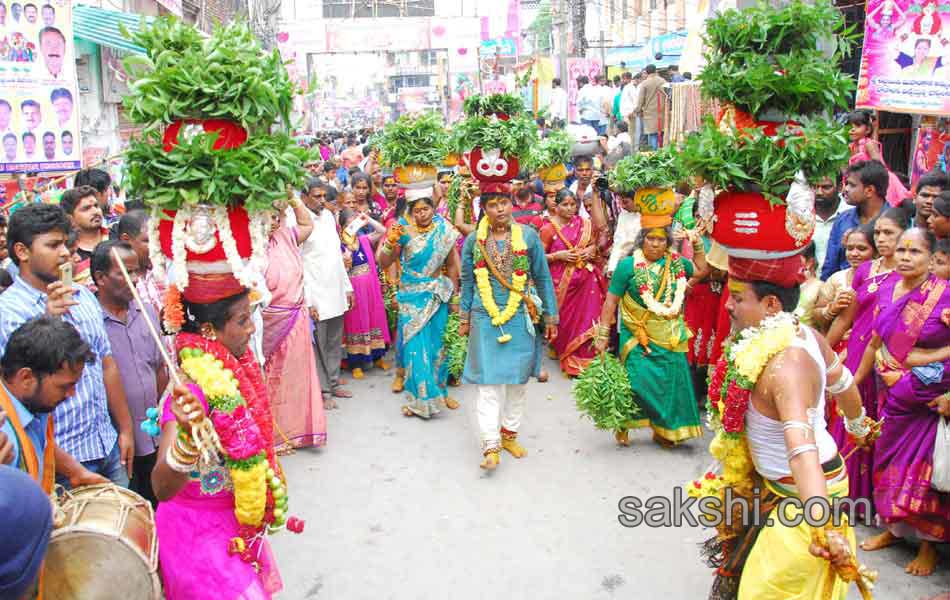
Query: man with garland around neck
column 782, row 423
column 500, row 260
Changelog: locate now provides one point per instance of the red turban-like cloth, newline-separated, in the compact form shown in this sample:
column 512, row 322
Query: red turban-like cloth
column 494, row 188
column 783, row 272
column 206, row 289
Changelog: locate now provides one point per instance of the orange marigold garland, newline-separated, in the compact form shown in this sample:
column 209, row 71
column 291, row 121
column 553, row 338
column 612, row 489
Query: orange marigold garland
column 173, row 313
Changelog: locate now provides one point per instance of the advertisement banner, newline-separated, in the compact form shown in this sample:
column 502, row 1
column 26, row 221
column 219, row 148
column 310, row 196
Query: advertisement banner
column 905, row 66
column 39, row 105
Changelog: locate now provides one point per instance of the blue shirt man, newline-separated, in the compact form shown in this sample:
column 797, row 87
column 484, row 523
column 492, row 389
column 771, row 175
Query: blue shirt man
column 43, row 362
column 865, row 189
column 33, row 425
column 84, row 422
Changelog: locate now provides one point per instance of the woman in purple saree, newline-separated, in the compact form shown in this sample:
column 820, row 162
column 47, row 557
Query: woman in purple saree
column 869, row 299
column 910, row 354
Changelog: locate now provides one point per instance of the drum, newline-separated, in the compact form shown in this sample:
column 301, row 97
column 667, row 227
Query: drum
column 103, row 547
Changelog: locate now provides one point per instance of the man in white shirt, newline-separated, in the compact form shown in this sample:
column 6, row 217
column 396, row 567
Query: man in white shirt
column 327, row 291
column 590, row 104
column 557, row 107
column 625, row 235
column 628, row 108
column 828, row 206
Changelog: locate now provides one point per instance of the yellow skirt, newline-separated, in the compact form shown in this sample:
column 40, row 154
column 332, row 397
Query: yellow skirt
column 780, row 567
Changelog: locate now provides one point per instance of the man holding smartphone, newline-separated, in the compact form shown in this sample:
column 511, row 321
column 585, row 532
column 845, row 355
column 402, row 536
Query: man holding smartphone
column 93, row 424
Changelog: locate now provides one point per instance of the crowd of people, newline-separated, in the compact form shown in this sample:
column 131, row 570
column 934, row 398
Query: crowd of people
column 360, row 270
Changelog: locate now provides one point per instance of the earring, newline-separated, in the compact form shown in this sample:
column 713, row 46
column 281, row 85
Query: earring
column 207, row 332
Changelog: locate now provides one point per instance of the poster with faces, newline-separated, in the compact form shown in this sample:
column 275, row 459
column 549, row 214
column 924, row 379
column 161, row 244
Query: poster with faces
column 39, row 103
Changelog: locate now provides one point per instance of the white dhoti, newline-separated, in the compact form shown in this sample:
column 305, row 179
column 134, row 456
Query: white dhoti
column 499, row 407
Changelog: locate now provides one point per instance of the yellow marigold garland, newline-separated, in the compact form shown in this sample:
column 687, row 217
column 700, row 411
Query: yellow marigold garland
column 730, row 387
column 519, row 276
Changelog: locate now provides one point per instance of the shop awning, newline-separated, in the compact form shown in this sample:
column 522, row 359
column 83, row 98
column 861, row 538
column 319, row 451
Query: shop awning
column 101, row 26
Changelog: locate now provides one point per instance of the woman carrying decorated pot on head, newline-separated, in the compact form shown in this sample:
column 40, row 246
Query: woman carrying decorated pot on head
column 220, row 486
column 649, row 287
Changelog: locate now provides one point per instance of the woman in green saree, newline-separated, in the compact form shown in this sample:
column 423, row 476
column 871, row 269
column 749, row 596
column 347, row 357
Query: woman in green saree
column 649, row 288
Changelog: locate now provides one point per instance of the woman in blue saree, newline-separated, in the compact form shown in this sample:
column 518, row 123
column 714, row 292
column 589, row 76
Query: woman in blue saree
column 425, row 245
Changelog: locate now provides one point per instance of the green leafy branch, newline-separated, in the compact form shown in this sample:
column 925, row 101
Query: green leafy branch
column 752, row 161
column 255, row 174
column 763, row 58
column 515, row 137
column 602, row 393
column 485, row 106
column 413, row 139
column 552, row 150
column 661, row 169
column 226, row 76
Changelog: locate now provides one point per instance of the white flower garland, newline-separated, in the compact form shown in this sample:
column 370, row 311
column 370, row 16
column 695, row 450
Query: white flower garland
column 179, row 253
column 245, row 272
column 155, row 245
column 655, row 307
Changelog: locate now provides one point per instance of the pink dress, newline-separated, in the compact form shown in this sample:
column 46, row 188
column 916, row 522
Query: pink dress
column 581, row 291
column 896, row 192
column 365, row 327
column 194, row 529
column 290, row 370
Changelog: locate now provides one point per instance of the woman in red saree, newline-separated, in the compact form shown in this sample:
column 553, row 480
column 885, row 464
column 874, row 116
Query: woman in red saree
column 910, row 354
column 575, row 248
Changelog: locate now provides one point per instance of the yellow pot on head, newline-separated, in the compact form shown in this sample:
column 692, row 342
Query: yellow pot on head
column 452, row 160
column 656, row 206
column 553, row 174
column 412, row 176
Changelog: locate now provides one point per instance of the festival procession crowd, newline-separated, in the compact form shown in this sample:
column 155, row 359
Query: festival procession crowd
column 796, row 317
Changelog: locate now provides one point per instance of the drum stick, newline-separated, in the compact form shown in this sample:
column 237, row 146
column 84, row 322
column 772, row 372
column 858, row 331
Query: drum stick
column 172, row 371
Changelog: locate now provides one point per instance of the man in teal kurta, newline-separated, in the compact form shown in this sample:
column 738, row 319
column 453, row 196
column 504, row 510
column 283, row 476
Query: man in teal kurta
column 501, row 358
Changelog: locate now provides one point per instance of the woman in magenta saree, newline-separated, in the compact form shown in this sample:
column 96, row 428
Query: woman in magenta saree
column 911, row 356
column 573, row 247
column 289, row 363
column 868, row 284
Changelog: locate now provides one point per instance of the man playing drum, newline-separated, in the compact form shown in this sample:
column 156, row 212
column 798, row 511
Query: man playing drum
column 43, row 361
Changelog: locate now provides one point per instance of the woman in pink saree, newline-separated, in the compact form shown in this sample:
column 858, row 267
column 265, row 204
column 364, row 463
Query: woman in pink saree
column 910, row 353
column 574, row 247
column 290, row 370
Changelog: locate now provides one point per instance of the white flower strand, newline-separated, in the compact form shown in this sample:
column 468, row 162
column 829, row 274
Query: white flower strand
column 155, row 244
column 230, row 247
column 179, row 253
column 651, row 303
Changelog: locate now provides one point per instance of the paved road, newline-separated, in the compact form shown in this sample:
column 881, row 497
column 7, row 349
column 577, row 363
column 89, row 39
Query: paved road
column 397, row 508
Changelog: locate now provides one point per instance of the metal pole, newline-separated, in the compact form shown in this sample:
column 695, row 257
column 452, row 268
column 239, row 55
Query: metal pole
column 562, row 34
column 603, row 53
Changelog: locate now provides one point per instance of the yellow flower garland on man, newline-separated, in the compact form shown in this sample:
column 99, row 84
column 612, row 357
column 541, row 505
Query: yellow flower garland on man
column 519, row 277
column 498, row 261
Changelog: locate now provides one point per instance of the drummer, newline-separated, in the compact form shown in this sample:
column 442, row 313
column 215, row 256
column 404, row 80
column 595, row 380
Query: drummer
column 43, row 361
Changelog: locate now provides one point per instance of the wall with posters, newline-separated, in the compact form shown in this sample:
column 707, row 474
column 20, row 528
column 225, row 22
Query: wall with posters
column 39, row 107
column 99, row 119
column 905, row 65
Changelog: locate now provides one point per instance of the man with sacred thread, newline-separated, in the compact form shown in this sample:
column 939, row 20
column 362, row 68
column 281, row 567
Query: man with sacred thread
column 503, row 315
column 767, row 407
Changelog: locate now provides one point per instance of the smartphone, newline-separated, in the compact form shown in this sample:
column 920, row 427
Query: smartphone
column 66, row 273
column 355, row 225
